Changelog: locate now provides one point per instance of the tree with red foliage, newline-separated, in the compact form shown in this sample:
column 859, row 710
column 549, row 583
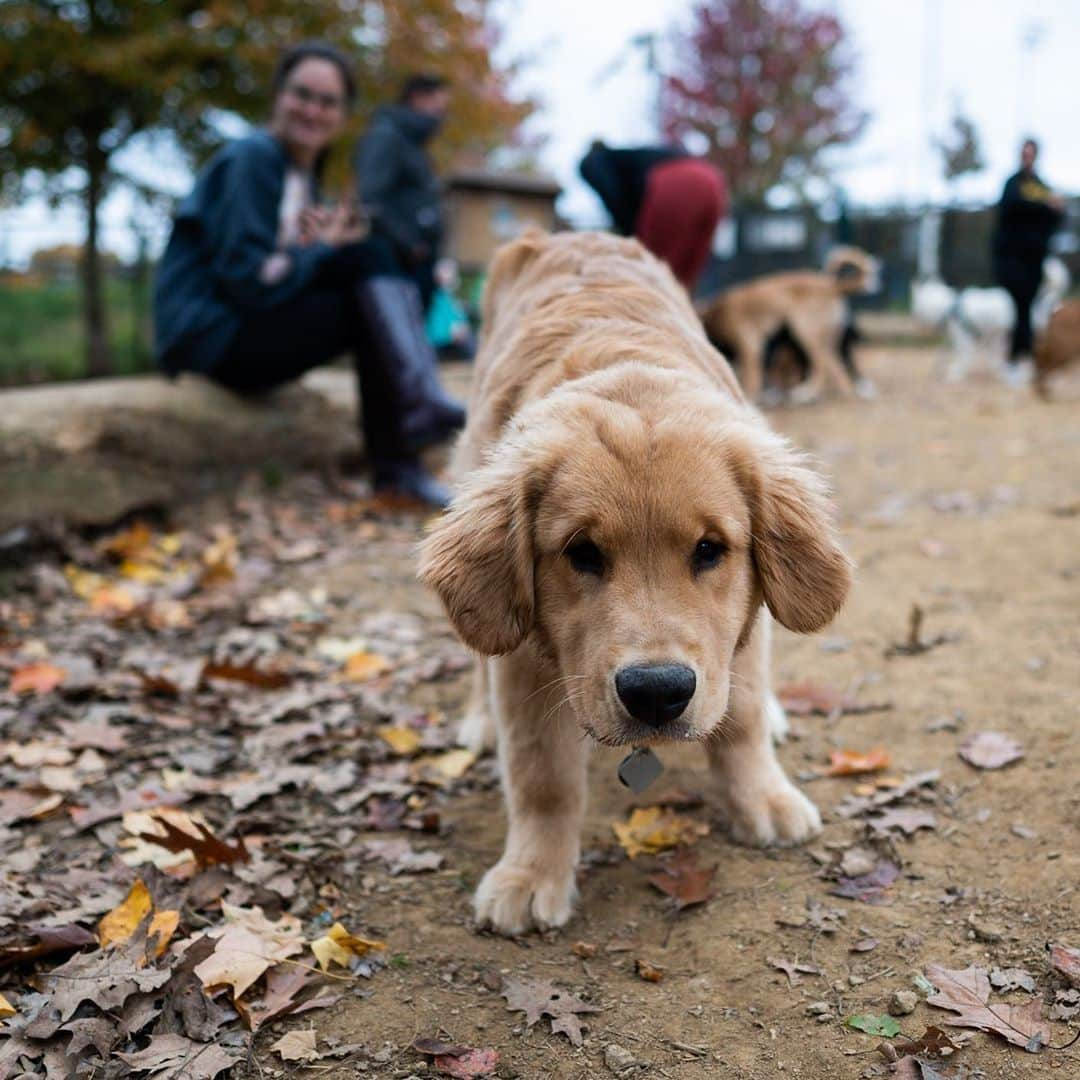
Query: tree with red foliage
column 767, row 83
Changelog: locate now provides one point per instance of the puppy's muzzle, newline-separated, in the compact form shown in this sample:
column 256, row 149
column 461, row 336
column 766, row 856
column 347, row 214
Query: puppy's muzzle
column 655, row 694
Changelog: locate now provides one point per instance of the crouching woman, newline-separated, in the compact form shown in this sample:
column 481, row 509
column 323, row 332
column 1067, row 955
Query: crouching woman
column 259, row 283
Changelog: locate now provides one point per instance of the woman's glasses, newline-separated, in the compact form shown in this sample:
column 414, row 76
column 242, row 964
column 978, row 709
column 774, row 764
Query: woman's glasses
column 306, row 96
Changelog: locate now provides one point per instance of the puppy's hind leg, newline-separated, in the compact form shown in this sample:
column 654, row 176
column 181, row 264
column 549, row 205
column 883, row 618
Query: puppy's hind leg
column 543, row 761
column 477, row 730
column 762, row 805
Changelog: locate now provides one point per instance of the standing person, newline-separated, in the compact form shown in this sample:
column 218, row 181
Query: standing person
column 259, row 283
column 670, row 200
column 1028, row 214
column 398, row 185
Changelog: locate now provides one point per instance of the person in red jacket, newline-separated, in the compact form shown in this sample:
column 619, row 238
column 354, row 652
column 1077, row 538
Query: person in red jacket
column 670, row 200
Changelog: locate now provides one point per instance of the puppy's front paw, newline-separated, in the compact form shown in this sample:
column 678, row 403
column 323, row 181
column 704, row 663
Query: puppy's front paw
column 512, row 898
column 781, row 815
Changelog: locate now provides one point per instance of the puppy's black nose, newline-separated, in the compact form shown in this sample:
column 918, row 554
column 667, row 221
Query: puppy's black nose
column 655, row 693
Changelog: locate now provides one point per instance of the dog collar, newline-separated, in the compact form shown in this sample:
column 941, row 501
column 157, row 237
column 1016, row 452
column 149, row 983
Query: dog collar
column 639, row 769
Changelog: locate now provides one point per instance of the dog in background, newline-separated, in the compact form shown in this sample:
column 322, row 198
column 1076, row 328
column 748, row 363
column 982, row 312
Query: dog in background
column 808, row 306
column 624, row 526
column 1058, row 345
column 979, row 321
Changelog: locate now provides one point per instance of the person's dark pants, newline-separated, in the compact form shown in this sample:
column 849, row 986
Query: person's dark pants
column 1020, row 277
column 423, row 274
column 313, row 328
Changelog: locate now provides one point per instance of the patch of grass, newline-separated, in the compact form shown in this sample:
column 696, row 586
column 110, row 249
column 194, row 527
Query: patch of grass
column 41, row 336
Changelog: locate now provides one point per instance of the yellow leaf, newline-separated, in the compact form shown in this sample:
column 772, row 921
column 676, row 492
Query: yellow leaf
column 129, row 543
column 219, row 559
column 442, row 768
column 116, row 927
column 84, row 583
column 401, row 740
column 362, row 666
column 6, row 1008
column 147, row 573
column 162, row 926
column 339, row 946
column 654, row 828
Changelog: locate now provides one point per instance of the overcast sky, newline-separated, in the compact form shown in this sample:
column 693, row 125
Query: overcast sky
column 916, row 58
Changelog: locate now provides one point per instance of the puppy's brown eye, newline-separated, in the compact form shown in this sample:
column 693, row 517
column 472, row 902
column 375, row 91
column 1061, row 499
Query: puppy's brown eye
column 586, row 558
column 707, row 554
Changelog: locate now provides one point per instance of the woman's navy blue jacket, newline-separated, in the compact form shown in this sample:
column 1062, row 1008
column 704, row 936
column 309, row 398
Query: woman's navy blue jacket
column 208, row 280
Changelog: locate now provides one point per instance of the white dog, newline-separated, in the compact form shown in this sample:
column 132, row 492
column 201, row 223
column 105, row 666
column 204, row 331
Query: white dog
column 981, row 320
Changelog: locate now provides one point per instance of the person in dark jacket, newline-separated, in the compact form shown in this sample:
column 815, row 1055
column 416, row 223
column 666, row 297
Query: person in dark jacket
column 670, row 200
column 398, row 184
column 1028, row 215
column 259, row 283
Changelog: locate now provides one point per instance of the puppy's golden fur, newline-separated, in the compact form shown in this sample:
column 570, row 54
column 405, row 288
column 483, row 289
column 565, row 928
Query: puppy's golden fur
column 1058, row 345
column 601, row 415
column 812, row 304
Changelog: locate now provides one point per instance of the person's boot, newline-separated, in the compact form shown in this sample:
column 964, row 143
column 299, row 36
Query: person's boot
column 408, row 478
column 394, row 321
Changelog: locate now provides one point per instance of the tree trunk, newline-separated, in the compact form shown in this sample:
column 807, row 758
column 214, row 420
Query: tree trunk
column 95, row 320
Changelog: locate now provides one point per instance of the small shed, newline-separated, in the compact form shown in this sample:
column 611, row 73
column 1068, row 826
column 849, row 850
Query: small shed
column 486, row 209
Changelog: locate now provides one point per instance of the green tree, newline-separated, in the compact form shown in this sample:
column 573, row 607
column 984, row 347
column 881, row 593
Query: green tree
column 80, row 79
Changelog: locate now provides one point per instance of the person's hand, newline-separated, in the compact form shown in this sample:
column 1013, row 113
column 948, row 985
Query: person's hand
column 336, row 226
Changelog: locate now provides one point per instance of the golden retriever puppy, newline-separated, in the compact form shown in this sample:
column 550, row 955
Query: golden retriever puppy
column 810, row 304
column 623, row 519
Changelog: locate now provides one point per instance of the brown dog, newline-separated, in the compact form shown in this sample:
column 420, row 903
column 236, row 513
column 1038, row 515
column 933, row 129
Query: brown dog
column 624, row 516
column 811, row 304
column 1058, row 345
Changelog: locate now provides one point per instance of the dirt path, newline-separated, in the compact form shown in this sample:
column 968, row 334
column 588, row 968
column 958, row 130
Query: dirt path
column 964, row 501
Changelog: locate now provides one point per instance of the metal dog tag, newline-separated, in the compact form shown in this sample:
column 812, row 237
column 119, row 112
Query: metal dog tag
column 639, row 769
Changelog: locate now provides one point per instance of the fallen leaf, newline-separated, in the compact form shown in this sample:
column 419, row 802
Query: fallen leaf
column 174, row 1057
column 39, row 678
column 282, row 996
column 683, row 880
column 219, row 559
column 18, row 805
column 873, row 1024
column 179, row 832
column 648, row 972
column 113, row 601
column 544, row 998
column 792, row 969
column 1065, row 960
column 854, row 762
column 6, row 1008
column 49, row 940
column 107, row 977
column 248, row 674
column 129, row 543
column 1006, row 979
column 297, row 1046
column 990, row 750
column 403, row 741
column 933, row 1041
column 807, row 698
column 967, row 993
column 871, row 888
column 652, row 829
column 120, row 923
column 442, row 769
column 247, row 945
column 362, row 666
column 472, row 1063
column 339, row 946
column 907, row 820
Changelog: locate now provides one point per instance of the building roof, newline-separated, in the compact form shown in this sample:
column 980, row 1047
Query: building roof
column 509, row 183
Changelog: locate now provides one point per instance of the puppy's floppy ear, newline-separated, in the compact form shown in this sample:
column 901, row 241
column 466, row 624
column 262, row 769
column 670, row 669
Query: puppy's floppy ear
column 479, row 558
column 804, row 573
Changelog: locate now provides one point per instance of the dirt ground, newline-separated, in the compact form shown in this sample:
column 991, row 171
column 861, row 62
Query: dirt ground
column 963, row 500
